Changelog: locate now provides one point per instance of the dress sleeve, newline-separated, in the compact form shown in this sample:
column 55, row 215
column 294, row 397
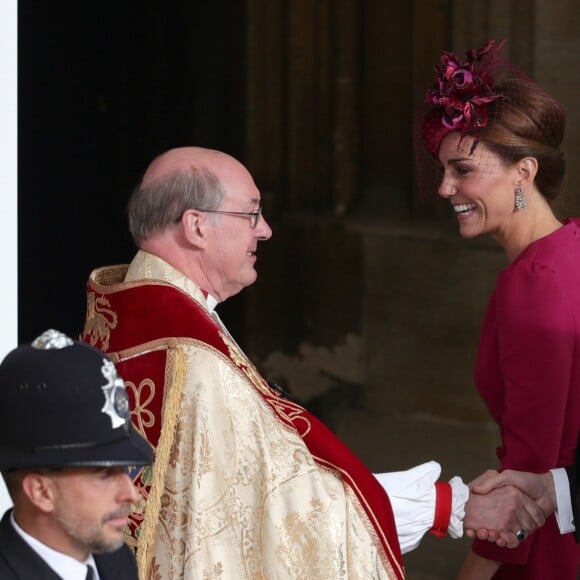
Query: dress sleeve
column 536, row 345
column 534, row 330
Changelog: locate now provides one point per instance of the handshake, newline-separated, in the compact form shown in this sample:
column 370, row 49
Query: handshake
column 506, row 507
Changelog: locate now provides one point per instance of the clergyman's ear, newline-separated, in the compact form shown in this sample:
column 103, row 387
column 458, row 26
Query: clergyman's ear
column 193, row 227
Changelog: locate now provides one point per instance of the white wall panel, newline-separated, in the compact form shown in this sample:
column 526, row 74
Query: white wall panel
column 8, row 189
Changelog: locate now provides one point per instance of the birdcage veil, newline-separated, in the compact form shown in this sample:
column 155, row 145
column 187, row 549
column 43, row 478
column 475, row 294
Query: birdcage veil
column 488, row 103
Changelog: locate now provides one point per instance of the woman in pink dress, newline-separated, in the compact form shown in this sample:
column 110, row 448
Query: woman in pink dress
column 496, row 138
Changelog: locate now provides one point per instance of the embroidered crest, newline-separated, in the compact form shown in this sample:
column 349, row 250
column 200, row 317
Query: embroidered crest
column 116, row 399
column 100, row 321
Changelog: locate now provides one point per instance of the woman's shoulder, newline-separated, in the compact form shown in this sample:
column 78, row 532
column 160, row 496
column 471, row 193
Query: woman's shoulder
column 557, row 252
column 547, row 272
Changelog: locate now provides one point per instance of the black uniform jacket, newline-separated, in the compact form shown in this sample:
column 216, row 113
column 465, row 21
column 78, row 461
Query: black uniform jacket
column 574, row 479
column 18, row 561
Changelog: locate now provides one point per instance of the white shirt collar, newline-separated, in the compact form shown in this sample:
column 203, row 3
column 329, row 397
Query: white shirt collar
column 211, row 303
column 65, row 566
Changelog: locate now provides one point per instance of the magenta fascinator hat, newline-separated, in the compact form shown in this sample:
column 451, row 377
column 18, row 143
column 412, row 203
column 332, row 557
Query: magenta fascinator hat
column 489, row 99
column 460, row 95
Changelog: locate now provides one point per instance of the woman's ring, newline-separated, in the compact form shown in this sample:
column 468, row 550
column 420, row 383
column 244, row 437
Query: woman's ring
column 521, row 534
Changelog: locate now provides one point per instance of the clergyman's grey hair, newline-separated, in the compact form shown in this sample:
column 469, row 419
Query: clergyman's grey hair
column 161, row 203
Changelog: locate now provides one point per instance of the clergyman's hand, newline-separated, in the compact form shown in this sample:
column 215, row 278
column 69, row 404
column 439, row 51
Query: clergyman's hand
column 499, row 514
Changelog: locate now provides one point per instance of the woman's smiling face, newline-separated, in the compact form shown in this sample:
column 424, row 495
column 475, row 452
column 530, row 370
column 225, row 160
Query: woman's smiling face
column 479, row 185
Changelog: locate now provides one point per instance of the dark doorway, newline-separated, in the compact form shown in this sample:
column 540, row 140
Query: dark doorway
column 103, row 88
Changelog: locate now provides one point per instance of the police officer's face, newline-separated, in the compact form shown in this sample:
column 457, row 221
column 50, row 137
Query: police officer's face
column 91, row 506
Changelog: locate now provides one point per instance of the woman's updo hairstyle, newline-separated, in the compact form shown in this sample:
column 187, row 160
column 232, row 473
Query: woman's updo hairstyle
column 527, row 122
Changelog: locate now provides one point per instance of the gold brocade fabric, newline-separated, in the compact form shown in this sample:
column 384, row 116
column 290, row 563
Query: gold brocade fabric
column 243, row 498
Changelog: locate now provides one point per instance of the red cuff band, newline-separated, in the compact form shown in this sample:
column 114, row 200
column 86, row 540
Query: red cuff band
column 443, row 502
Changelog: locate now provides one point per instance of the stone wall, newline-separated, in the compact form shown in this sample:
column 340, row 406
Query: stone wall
column 374, row 328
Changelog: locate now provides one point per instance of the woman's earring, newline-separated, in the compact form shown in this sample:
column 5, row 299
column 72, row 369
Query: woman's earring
column 520, row 202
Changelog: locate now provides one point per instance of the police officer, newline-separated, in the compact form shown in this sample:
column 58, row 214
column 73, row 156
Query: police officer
column 66, row 441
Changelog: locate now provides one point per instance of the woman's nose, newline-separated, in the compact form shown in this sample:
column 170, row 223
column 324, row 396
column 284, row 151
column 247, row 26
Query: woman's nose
column 446, row 188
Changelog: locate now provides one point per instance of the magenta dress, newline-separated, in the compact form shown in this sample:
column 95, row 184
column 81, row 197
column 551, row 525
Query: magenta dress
column 528, row 374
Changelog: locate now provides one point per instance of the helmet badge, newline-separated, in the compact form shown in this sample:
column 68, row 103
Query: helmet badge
column 52, row 339
column 116, row 399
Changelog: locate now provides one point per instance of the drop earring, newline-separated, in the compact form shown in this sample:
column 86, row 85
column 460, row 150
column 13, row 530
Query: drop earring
column 520, row 202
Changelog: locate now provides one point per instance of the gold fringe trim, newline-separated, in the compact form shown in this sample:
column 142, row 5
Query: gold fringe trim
column 174, row 381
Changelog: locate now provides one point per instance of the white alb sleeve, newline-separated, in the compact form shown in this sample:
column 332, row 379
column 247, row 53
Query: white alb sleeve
column 412, row 494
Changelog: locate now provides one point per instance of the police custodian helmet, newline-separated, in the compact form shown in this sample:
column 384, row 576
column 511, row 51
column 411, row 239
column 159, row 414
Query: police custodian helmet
column 62, row 404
